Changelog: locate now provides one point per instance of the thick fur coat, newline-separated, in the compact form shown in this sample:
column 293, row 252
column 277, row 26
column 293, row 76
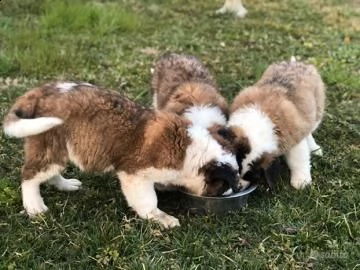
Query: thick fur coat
column 277, row 116
column 100, row 130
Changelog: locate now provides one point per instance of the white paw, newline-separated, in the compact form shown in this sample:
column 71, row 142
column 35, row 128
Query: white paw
column 64, row 184
column 300, row 182
column 69, row 185
column 241, row 13
column 317, row 152
column 34, row 206
column 164, row 219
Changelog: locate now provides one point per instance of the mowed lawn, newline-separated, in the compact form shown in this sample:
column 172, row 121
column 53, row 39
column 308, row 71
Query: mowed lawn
column 114, row 44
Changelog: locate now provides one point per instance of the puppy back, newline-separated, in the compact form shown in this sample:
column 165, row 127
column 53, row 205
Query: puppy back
column 171, row 70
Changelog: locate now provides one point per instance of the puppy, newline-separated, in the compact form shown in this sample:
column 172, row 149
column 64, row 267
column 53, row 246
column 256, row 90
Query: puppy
column 277, row 116
column 234, row 6
column 183, row 85
column 100, row 130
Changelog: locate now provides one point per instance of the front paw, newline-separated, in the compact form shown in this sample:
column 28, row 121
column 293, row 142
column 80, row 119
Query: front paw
column 300, row 182
column 164, row 219
column 34, row 206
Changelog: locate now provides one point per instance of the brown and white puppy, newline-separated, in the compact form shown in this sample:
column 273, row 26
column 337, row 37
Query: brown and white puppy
column 183, row 85
column 276, row 116
column 233, row 6
column 100, row 130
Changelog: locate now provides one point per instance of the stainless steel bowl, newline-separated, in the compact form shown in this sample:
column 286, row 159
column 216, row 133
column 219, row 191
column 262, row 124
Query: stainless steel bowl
column 217, row 205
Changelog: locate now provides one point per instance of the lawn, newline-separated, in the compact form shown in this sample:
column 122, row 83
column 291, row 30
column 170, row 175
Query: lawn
column 114, row 44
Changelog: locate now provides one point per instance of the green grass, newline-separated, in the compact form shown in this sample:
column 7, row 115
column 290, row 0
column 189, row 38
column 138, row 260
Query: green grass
column 114, row 44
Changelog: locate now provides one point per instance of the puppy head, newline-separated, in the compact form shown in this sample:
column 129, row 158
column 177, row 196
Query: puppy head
column 212, row 165
column 219, row 177
column 253, row 166
column 199, row 94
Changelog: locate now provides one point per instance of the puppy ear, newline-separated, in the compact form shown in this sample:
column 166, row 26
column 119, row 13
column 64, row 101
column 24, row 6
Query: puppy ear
column 242, row 147
column 271, row 172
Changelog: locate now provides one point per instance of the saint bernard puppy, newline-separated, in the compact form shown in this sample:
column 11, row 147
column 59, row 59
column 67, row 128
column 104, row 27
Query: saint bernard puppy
column 100, row 130
column 183, row 85
column 277, row 116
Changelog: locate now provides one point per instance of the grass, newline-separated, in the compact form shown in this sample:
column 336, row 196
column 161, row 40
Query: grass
column 114, row 44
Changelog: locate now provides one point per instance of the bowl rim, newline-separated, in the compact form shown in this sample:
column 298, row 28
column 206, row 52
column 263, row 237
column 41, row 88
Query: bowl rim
column 235, row 195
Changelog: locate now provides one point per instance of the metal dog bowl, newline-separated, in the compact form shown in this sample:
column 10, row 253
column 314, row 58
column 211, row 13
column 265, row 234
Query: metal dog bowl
column 217, row 205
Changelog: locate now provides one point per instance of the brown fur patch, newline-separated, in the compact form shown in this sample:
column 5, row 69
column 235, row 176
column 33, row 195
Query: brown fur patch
column 182, row 81
column 292, row 95
column 102, row 129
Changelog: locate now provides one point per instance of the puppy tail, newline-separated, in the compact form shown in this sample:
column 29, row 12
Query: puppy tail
column 21, row 128
column 22, row 122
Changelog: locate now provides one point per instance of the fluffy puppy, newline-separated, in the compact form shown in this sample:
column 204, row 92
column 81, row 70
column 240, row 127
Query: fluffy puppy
column 234, row 6
column 100, row 130
column 277, row 116
column 183, row 85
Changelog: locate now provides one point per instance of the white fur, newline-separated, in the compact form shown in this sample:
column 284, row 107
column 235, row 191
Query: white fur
column 292, row 59
column 28, row 127
column 298, row 160
column 140, row 193
column 314, row 148
column 65, row 86
column 203, row 149
column 205, row 116
column 87, row 84
column 234, row 6
column 259, row 129
column 155, row 103
column 30, row 188
column 64, row 184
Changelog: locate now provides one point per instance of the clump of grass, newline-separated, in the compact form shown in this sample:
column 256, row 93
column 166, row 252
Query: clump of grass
column 94, row 17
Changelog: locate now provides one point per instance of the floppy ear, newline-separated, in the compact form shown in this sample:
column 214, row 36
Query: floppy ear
column 271, row 172
column 216, row 174
column 242, row 147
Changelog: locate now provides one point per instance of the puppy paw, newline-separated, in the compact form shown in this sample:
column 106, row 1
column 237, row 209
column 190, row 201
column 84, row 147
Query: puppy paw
column 164, row 219
column 317, row 152
column 64, row 184
column 300, row 182
column 69, row 185
column 241, row 13
column 35, row 206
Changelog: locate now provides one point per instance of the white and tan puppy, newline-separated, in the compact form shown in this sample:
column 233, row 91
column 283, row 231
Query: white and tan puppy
column 100, row 130
column 183, row 85
column 233, row 6
column 277, row 116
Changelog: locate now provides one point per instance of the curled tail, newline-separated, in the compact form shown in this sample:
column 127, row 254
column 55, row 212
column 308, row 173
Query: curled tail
column 22, row 122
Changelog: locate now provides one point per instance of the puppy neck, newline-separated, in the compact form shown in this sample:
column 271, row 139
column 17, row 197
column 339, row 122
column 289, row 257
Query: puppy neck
column 257, row 129
column 205, row 116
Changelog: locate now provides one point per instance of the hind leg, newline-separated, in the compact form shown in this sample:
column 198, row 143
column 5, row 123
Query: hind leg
column 314, row 148
column 30, row 187
column 64, row 184
column 298, row 160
